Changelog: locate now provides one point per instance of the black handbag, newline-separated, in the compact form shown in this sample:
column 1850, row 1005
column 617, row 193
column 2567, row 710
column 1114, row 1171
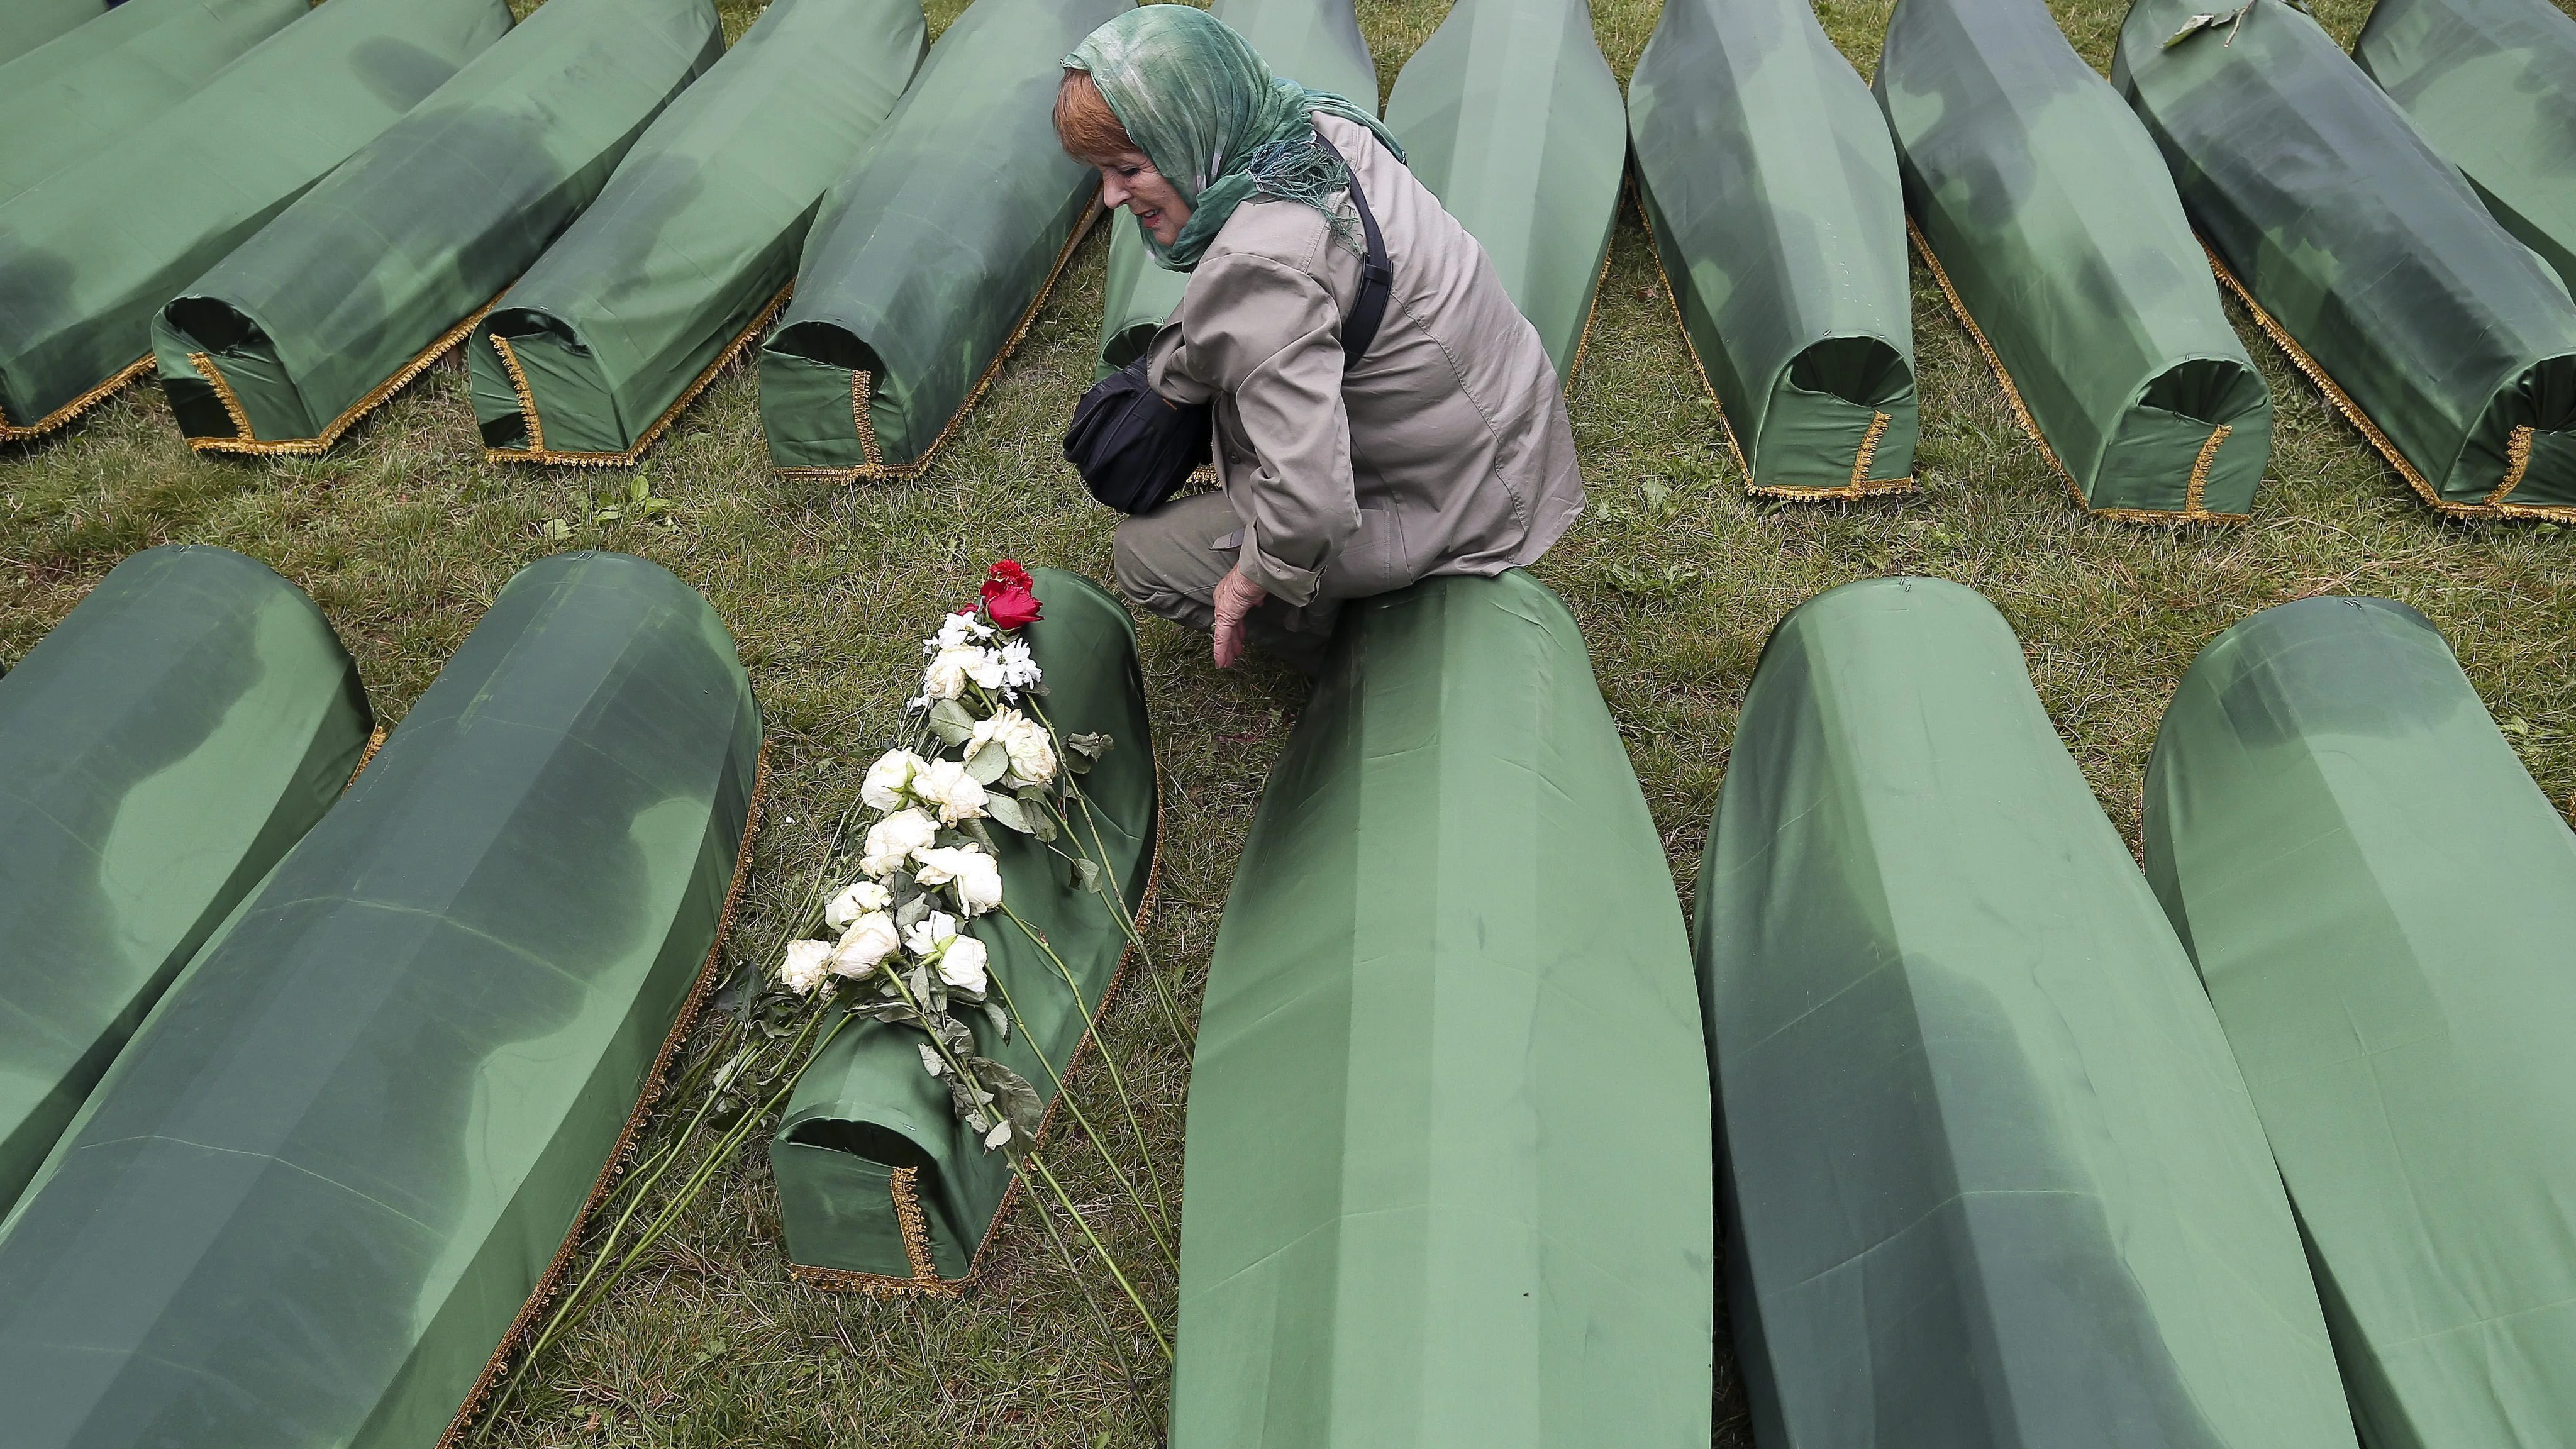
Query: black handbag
column 1135, row 448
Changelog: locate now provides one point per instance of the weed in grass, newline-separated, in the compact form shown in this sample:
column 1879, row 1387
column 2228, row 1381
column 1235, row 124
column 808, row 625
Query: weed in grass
column 404, row 535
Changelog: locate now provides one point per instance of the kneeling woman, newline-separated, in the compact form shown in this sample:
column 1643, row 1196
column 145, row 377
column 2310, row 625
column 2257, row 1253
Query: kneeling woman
column 1443, row 450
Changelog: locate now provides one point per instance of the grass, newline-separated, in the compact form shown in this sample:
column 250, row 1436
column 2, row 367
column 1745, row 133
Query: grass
column 404, row 535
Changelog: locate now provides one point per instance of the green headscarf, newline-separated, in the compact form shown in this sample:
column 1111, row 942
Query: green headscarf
column 1202, row 105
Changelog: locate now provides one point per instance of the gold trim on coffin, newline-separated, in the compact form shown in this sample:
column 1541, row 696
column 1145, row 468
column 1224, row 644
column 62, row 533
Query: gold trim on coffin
column 525, row 1324
column 538, row 453
column 1861, row 486
column 875, row 470
column 248, row 445
column 2517, row 447
column 2193, row 510
column 62, row 416
column 925, row 1281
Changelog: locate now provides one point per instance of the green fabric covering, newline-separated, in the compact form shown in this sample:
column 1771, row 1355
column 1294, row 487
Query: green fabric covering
column 1448, row 1175
column 1992, row 1176
column 1772, row 189
column 695, row 238
column 1511, row 117
column 363, row 281
column 927, row 256
column 1313, row 42
column 2380, row 903
column 159, row 751
column 26, row 25
column 87, row 256
column 104, row 83
column 1205, row 108
column 865, row 1107
column 2455, row 345
column 307, row 1202
column 2491, row 85
column 2058, row 232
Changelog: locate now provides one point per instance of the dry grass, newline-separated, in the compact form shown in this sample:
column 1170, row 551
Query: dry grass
column 404, row 534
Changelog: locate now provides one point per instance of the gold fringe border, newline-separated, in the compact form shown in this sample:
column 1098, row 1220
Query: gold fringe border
column 926, row 1282
column 2192, row 511
column 654, row 1082
column 1860, row 487
column 248, row 446
column 366, row 757
column 541, row 454
column 878, row 472
column 62, row 416
column 2341, row 401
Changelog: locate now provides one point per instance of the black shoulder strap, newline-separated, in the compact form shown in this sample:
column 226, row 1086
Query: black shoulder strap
column 1377, row 275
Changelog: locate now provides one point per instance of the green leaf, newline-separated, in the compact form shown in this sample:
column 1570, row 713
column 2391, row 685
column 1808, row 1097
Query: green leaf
column 950, row 721
column 1008, row 813
column 912, row 912
column 1000, row 1019
column 1092, row 746
column 555, row 530
column 1086, row 874
column 989, row 764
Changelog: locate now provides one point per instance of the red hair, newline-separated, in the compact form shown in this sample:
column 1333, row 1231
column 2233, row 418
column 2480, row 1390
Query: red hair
column 1088, row 129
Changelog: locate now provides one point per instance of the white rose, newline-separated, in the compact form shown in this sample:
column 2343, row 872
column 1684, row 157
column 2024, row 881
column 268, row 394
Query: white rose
column 889, row 778
column 1023, row 739
column 977, row 876
column 806, row 962
column 861, row 898
column 950, row 668
column 962, row 964
column 870, row 939
column 924, row 937
column 892, row 841
column 959, row 796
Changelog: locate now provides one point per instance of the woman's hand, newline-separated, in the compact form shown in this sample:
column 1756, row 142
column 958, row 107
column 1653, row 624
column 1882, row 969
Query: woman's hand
column 1236, row 597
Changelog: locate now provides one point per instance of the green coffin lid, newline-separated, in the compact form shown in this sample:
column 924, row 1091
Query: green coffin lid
column 1511, row 117
column 2491, row 85
column 868, row 1144
column 1315, row 43
column 26, row 25
column 2380, row 903
column 2362, row 252
column 931, row 254
column 685, row 256
column 2046, row 214
column 314, row 1194
column 362, row 283
column 1992, row 1176
column 1448, row 1180
column 159, row 751
column 89, row 254
column 1771, row 186
column 104, row 83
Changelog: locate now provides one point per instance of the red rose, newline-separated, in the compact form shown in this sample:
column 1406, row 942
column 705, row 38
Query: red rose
column 1009, row 572
column 1010, row 606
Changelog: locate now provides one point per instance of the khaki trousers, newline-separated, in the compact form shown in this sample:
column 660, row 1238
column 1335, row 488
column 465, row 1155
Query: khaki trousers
column 1169, row 562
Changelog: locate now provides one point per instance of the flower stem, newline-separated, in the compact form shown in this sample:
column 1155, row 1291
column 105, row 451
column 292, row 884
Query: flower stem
column 1109, row 1058
column 1065, row 1095
column 1032, row 1160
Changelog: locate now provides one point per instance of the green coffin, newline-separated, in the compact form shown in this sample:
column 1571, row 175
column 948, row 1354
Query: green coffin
column 2380, row 903
column 1772, row 191
column 87, row 256
column 28, row 24
column 1511, row 117
column 868, row 1142
column 1992, row 1176
column 2365, row 255
column 314, row 1194
column 2044, row 211
column 1315, row 43
column 932, row 253
column 1448, row 1173
column 159, row 751
column 688, row 253
column 361, row 284
column 104, row 83
column 2491, row 85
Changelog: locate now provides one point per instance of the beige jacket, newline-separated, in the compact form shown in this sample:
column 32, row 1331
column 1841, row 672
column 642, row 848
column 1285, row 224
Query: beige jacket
column 1445, row 451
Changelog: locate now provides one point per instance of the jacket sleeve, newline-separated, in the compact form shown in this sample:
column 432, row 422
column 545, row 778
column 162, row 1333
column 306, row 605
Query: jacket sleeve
column 1269, row 336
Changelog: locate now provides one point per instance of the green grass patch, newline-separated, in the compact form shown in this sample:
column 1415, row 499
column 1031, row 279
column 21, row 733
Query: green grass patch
column 404, row 535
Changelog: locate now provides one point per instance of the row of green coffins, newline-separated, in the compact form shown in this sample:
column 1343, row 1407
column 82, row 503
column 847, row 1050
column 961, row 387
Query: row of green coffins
column 2021, row 1146
column 300, row 1100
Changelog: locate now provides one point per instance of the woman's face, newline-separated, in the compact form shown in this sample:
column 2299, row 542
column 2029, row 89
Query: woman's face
column 1132, row 182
